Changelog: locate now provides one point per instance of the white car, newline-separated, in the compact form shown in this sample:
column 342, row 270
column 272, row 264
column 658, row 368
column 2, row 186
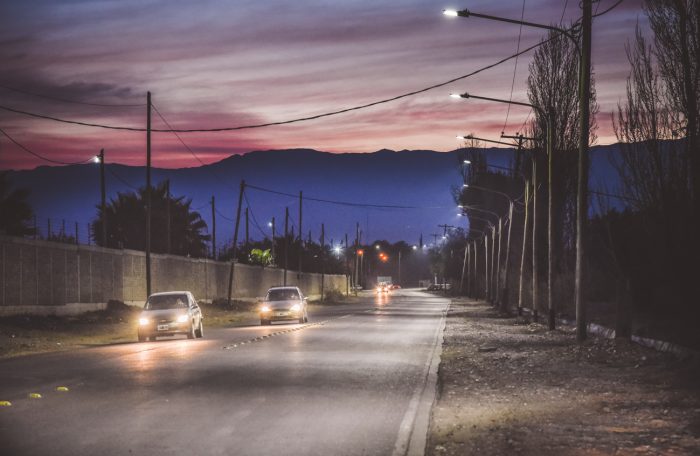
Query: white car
column 170, row 313
column 283, row 304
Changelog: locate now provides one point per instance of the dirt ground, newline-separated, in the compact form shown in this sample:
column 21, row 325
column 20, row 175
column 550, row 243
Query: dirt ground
column 510, row 387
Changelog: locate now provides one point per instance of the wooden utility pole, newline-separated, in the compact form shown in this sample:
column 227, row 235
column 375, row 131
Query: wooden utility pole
column 582, row 194
column 148, row 194
column 323, row 256
column 168, row 219
column 301, row 230
column 247, row 239
column 103, row 199
column 357, row 255
column 273, row 250
column 234, row 247
column 213, row 227
column 286, row 243
column 76, row 234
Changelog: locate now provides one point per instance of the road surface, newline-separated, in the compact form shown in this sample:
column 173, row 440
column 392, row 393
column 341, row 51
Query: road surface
column 356, row 380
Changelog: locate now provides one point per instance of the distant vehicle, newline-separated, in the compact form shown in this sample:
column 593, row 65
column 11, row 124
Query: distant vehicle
column 439, row 286
column 284, row 304
column 396, row 286
column 382, row 288
column 170, row 313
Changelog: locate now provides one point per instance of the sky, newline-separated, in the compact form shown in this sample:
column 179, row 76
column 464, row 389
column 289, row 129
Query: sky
column 215, row 63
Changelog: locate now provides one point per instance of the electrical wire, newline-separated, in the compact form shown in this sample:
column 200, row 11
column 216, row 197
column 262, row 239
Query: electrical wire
column 116, row 176
column 64, row 100
column 223, row 216
column 283, row 122
column 252, row 215
column 343, row 203
column 515, row 69
column 41, row 157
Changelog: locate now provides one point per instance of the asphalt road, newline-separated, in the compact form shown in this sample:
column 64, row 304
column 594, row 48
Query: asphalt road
column 355, row 380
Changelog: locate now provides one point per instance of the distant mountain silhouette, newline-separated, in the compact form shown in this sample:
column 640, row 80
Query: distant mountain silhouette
column 420, row 178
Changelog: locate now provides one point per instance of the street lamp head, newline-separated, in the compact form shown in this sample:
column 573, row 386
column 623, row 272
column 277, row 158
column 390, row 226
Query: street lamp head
column 461, row 137
column 376, row 246
column 414, row 247
column 455, row 96
column 96, row 159
column 450, row 13
column 269, row 224
column 337, row 249
column 467, row 162
column 465, row 185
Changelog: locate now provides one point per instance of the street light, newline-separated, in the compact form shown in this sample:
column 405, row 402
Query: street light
column 584, row 92
column 550, row 212
column 96, row 159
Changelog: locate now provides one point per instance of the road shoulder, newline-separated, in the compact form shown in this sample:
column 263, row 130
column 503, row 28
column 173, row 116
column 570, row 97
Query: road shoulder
column 506, row 386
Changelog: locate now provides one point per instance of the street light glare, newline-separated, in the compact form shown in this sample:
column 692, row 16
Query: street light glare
column 269, row 224
column 465, row 185
column 467, row 162
column 455, row 95
column 96, row 159
column 449, row 12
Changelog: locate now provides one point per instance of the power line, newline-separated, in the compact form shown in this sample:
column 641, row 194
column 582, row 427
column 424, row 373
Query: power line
column 252, row 215
column 63, row 100
column 515, row 69
column 343, row 203
column 284, row 122
column 223, row 216
column 116, row 176
column 41, row 157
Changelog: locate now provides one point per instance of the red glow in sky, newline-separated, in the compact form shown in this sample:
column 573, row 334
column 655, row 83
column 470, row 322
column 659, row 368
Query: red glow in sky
column 218, row 64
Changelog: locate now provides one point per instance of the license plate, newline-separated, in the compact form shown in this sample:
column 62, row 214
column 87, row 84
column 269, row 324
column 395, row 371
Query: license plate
column 163, row 327
column 281, row 314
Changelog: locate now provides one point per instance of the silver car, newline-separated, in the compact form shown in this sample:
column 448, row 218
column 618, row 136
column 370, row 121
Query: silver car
column 170, row 313
column 283, row 304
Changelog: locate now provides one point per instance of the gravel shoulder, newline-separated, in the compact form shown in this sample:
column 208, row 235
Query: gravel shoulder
column 507, row 386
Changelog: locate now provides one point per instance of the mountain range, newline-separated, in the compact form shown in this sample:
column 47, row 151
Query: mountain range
column 419, row 179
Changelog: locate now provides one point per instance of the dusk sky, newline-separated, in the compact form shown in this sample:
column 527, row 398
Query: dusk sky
column 223, row 63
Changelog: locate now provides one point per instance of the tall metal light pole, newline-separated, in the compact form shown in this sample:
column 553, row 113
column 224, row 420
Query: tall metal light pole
column 584, row 87
column 582, row 194
column 547, row 114
column 148, row 194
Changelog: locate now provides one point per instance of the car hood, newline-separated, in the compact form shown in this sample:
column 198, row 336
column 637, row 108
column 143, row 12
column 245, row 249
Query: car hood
column 163, row 314
column 281, row 305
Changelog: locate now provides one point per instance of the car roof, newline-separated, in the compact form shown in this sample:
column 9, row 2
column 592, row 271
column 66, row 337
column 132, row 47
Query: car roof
column 283, row 288
column 165, row 293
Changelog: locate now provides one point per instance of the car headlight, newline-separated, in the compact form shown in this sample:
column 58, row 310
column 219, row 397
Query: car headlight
column 144, row 321
column 182, row 318
column 295, row 308
column 265, row 309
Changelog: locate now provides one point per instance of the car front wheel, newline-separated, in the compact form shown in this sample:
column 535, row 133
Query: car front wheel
column 190, row 333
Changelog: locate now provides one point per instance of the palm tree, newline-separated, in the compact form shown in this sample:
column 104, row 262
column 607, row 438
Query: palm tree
column 126, row 222
column 15, row 213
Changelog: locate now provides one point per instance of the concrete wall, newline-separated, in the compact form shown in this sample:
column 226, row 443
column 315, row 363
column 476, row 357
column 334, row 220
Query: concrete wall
column 51, row 278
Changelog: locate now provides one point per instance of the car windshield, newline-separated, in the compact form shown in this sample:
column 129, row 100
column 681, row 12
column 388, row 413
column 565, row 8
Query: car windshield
column 171, row 301
column 282, row 294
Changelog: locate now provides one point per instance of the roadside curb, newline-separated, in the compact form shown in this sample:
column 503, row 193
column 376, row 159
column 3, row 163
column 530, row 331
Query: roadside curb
column 414, row 428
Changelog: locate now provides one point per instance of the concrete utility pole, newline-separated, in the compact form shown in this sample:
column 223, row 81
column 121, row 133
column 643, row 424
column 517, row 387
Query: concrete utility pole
column 486, row 271
column 148, row 194
column 213, row 227
column 505, row 293
column 498, row 261
column 357, row 254
column 524, row 251
column 234, row 247
column 535, row 271
column 103, row 198
column 582, row 195
column 551, row 195
column 286, row 243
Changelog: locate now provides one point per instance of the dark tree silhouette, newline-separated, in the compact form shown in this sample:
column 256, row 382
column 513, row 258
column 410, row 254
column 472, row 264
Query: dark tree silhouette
column 15, row 213
column 126, row 222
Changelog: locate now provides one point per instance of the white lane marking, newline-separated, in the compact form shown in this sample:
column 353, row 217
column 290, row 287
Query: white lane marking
column 413, row 429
